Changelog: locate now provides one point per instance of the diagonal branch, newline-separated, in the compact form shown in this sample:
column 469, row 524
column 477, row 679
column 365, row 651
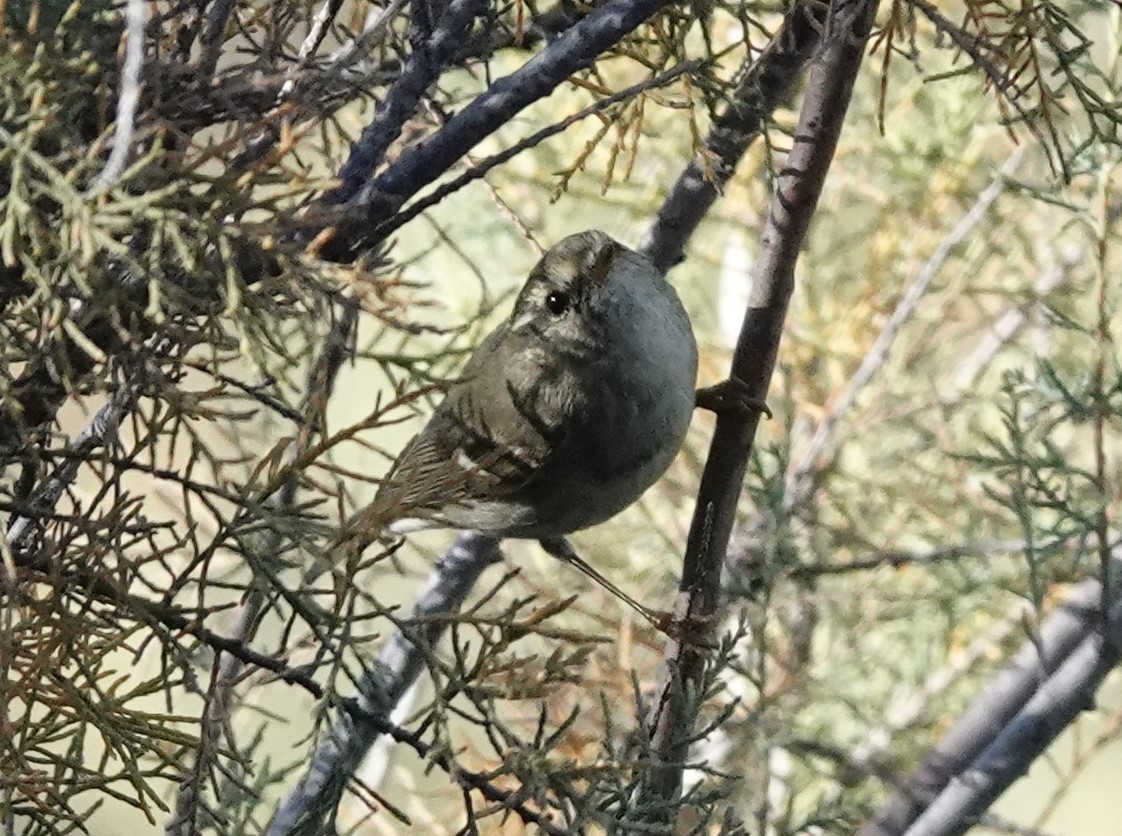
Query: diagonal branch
column 432, row 54
column 101, row 429
column 798, row 187
column 1052, row 708
column 481, row 169
column 422, row 164
column 342, row 747
column 766, row 84
column 1067, row 649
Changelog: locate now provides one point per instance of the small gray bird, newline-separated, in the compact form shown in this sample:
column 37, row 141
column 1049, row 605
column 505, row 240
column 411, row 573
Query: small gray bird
column 564, row 415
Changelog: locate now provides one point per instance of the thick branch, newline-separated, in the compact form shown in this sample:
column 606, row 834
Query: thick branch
column 797, row 191
column 1009, row 708
column 432, row 54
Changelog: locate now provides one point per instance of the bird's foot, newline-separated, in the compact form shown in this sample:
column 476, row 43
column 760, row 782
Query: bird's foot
column 692, row 631
column 730, row 395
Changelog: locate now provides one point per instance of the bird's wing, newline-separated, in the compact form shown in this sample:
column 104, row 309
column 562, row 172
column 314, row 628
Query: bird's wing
column 487, row 440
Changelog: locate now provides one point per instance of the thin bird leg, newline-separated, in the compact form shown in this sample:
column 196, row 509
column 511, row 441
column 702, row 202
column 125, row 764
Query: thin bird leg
column 562, row 549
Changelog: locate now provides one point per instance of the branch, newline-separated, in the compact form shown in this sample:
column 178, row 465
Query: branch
column 128, row 96
column 1010, row 706
column 766, row 84
column 480, row 170
column 1054, row 706
column 214, row 34
column 417, row 167
column 101, row 428
column 797, row 190
column 341, row 749
column 432, row 54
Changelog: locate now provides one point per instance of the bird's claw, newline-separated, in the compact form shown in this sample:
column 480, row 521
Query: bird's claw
column 732, row 395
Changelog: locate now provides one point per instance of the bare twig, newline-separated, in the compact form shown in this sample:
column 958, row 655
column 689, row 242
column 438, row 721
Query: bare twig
column 1007, row 326
column 213, row 36
column 352, row 52
column 797, row 190
column 311, row 43
column 432, row 53
column 801, row 480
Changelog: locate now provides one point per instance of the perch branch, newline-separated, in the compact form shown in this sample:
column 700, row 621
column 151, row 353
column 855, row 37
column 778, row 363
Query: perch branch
column 797, row 190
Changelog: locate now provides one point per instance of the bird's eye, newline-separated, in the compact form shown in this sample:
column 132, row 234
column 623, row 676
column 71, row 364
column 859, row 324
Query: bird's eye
column 557, row 302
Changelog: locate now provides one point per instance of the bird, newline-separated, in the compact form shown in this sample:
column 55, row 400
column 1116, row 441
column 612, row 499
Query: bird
column 563, row 416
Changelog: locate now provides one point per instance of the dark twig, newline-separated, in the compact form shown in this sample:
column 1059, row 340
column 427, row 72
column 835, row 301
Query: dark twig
column 797, row 190
column 342, row 747
column 766, row 84
column 431, row 56
column 213, row 36
column 480, row 170
column 420, row 165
